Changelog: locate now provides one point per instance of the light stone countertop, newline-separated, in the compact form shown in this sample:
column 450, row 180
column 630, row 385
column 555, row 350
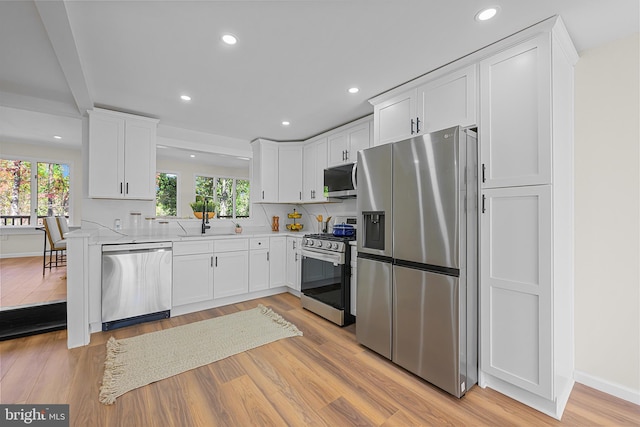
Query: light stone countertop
column 107, row 237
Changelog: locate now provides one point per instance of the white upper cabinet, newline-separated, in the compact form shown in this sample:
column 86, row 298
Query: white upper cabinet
column 345, row 144
column 290, row 172
column 264, row 181
column 438, row 103
column 515, row 115
column 394, row 118
column 314, row 162
column 447, row 101
column 122, row 155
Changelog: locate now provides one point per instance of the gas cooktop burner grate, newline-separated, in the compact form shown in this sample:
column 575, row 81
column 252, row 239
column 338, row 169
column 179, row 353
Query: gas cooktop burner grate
column 329, row 236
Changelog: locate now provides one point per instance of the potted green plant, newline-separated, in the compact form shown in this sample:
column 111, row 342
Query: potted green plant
column 238, row 228
column 198, row 207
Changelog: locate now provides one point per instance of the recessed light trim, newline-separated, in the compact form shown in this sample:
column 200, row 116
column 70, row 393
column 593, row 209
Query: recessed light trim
column 229, row 39
column 354, row 90
column 57, row 137
column 192, row 155
column 185, row 97
column 487, row 13
column 285, row 123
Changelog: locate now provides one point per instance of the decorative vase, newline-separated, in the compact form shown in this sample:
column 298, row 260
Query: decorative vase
column 275, row 225
column 238, row 230
column 199, row 214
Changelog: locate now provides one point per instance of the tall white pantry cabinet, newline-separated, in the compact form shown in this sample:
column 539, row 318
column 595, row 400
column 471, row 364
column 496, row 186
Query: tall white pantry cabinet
column 525, row 127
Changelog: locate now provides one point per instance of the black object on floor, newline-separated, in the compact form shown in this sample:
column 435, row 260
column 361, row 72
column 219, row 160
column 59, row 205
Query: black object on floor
column 32, row 320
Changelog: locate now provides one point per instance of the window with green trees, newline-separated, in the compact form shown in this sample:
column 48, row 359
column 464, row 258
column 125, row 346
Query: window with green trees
column 166, row 194
column 231, row 195
column 22, row 202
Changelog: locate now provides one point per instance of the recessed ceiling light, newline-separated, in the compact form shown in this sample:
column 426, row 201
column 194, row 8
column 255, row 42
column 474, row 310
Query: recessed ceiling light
column 488, row 13
column 285, row 123
column 229, row 39
column 185, row 97
column 192, row 155
column 353, row 90
column 57, row 137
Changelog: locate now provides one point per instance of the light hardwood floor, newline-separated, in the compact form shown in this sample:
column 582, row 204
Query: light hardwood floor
column 22, row 282
column 323, row 378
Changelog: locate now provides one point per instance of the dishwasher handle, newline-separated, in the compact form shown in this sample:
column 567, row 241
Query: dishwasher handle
column 138, row 247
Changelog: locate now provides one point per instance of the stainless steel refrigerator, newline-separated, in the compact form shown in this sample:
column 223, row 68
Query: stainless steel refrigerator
column 417, row 281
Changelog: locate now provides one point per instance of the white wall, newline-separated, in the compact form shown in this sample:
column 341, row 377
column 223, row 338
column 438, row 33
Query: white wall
column 29, row 242
column 607, row 217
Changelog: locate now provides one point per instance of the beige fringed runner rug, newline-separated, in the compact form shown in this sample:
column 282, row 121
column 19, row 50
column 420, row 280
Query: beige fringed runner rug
column 138, row 361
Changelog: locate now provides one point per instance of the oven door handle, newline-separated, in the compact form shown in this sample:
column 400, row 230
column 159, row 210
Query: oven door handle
column 333, row 258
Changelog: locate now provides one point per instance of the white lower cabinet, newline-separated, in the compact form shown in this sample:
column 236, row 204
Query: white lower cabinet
column 294, row 262
column 259, row 264
column 192, row 272
column 231, row 268
column 277, row 261
column 516, row 291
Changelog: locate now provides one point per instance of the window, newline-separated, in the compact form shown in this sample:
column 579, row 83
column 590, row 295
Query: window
column 28, row 194
column 231, row 194
column 166, row 194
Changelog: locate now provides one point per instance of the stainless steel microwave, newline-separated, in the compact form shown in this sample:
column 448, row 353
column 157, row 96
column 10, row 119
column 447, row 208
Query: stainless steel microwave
column 340, row 181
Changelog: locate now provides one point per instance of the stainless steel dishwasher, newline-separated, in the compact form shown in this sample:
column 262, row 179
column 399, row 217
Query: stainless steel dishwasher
column 136, row 283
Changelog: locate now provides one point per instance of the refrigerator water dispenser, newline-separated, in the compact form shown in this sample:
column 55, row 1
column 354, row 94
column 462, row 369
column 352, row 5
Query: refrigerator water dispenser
column 373, row 237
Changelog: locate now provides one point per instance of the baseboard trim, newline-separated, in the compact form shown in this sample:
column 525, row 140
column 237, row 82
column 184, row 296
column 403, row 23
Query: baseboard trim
column 21, row 255
column 608, row 387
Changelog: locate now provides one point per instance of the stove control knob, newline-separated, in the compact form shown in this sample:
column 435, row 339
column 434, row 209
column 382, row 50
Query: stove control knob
column 328, row 245
column 311, row 242
column 334, row 246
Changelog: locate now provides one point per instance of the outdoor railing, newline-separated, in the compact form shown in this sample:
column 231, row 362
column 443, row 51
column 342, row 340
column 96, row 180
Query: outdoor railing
column 19, row 220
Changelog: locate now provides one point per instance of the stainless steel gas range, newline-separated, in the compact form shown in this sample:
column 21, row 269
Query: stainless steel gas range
column 326, row 274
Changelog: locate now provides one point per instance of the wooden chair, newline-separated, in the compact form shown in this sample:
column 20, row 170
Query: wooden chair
column 57, row 245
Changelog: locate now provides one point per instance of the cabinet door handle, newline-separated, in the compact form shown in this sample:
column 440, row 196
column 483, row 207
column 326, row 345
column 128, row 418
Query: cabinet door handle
column 262, row 194
column 483, row 200
column 294, row 244
column 412, row 123
column 296, row 258
column 346, row 154
column 127, row 186
column 417, row 125
column 211, row 260
column 120, row 188
column 267, row 256
column 216, row 261
column 301, row 195
column 484, row 168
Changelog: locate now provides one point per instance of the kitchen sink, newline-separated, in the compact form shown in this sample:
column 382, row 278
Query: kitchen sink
column 197, row 235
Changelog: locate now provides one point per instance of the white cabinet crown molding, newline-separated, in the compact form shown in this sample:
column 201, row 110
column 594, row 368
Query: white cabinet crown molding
column 474, row 57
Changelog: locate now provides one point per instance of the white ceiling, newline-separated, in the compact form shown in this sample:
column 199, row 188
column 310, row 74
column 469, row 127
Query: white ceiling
column 294, row 60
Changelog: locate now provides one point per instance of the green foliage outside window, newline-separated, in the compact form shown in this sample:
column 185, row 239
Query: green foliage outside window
column 166, row 194
column 231, row 195
column 16, row 197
